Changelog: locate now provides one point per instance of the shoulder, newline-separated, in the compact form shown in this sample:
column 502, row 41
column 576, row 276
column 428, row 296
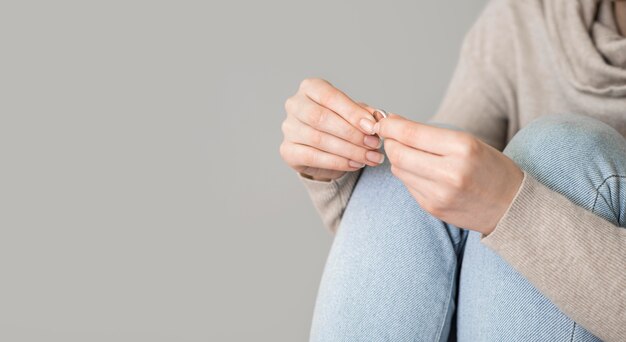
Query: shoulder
column 502, row 29
column 501, row 23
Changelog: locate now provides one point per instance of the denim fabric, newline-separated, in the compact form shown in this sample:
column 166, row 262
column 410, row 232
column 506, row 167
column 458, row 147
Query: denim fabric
column 396, row 273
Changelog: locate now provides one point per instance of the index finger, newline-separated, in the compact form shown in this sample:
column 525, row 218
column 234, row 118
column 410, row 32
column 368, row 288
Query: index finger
column 421, row 136
column 322, row 92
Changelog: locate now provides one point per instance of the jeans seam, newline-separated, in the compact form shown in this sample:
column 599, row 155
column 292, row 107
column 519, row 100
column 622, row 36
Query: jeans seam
column 573, row 330
column 446, row 307
column 343, row 204
column 593, row 208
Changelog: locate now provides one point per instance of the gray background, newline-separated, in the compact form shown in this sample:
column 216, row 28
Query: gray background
column 142, row 194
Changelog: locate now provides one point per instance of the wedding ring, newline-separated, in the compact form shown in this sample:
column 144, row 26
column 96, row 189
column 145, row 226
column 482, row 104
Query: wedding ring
column 380, row 114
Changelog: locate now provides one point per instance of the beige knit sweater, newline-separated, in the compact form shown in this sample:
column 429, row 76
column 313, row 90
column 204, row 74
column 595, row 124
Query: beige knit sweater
column 523, row 59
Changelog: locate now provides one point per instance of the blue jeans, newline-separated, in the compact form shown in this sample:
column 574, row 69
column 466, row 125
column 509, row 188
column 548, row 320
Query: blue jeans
column 396, row 273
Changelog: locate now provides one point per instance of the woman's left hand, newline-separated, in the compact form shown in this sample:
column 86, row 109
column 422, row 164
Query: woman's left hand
column 451, row 174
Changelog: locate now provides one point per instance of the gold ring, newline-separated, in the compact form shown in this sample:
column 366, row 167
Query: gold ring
column 380, row 114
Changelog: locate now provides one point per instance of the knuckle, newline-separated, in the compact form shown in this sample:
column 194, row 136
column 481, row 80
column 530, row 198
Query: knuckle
column 283, row 150
column 469, row 146
column 446, row 198
column 458, row 180
column 328, row 95
column 284, row 126
column 305, row 84
column 290, row 104
column 310, row 83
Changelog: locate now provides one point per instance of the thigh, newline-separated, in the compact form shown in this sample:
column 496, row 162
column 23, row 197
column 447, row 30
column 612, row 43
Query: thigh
column 496, row 303
column 391, row 271
column 585, row 161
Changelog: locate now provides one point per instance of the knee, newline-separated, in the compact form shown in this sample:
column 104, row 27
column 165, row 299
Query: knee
column 580, row 157
column 563, row 142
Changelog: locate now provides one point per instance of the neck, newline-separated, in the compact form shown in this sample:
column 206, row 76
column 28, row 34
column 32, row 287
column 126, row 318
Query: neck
column 620, row 16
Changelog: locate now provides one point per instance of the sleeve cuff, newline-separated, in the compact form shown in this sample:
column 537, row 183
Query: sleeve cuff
column 330, row 198
column 504, row 220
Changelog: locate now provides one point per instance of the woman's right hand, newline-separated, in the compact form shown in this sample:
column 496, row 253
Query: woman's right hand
column 327, row 134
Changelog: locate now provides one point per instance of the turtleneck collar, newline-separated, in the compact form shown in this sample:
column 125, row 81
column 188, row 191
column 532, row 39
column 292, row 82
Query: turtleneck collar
column 591, row 51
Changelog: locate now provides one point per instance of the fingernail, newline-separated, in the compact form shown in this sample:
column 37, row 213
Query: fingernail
column 372, row 141
column 366, row 125
column 376, row 128
column 375, row 157
column 355, row 164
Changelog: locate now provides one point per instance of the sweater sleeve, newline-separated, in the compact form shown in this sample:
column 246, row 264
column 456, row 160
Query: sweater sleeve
column 330, row 198
column 573, row 256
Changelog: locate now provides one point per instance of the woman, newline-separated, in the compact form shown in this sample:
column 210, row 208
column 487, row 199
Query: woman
column 502, row 218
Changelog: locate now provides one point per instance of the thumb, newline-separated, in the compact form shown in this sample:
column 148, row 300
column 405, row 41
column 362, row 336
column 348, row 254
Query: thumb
column 392, row 116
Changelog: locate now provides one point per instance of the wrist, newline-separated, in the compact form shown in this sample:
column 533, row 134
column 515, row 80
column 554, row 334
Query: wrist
column 516, row 186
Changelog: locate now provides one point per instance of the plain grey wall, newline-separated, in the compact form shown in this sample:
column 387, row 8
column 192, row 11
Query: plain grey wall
column 142, row 195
